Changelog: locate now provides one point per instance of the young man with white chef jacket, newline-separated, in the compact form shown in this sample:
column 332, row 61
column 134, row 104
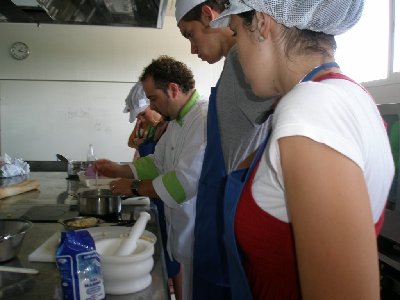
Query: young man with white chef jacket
column 173, row 171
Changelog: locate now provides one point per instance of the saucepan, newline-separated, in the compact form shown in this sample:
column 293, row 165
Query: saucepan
column 99, row 203
column 74, row 166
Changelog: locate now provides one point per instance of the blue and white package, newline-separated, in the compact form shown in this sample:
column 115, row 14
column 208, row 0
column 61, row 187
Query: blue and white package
column 79, row 267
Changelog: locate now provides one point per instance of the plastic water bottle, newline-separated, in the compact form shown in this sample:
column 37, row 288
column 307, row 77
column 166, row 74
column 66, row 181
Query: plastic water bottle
column 90, row 154
column 91, row 158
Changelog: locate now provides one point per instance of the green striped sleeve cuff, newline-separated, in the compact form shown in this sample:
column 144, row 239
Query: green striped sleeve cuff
column 145, row 168
column 174, row 187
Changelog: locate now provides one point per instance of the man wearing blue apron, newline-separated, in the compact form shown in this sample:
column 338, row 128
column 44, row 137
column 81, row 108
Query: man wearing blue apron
column 234, row 130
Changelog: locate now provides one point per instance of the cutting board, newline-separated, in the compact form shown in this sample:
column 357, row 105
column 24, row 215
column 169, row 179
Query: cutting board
column 141, row 200
column 18, row 188
column 47, row 251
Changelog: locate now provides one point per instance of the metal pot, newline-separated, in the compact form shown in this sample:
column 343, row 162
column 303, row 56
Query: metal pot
column 100, row 202
column 12, row 233
column 74, row 166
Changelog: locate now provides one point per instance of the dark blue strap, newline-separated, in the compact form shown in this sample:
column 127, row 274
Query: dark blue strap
column 314, row 71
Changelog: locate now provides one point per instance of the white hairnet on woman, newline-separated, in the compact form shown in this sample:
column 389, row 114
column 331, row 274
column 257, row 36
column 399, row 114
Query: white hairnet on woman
column 331, row 17
column 313, row 198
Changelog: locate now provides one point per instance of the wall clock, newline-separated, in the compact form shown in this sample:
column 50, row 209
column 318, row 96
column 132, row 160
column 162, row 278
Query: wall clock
column 19, row 50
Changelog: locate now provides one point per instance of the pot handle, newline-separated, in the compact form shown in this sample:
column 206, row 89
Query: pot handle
column 62, row 158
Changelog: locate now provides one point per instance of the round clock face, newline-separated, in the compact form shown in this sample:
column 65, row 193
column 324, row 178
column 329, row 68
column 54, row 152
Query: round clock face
column 19, row 50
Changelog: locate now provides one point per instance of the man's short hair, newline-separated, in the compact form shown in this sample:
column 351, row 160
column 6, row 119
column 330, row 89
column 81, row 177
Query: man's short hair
column 165, row 70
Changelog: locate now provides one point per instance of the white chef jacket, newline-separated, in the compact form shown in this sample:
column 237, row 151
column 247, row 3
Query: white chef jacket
column 175, row 169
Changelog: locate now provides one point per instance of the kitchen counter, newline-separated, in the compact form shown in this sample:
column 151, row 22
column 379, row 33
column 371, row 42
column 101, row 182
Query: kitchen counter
column 56, row 199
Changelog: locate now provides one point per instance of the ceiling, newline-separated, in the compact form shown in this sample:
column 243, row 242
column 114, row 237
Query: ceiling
column 133, row 13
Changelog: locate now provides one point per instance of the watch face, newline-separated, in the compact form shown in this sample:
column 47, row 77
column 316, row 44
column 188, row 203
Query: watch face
column 19, row 50
column 135, row 184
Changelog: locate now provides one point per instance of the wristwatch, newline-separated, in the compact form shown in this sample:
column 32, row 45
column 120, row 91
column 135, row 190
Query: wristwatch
column 135, row 186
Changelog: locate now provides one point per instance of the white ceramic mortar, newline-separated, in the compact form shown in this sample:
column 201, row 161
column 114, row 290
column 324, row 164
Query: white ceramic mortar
column 125, row 274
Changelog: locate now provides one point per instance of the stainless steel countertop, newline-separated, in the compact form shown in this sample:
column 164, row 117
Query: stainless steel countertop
column 56, row 191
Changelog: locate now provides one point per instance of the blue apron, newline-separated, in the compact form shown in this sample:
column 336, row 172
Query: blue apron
column 210, row 276
column 147, row 147
column 240, row 288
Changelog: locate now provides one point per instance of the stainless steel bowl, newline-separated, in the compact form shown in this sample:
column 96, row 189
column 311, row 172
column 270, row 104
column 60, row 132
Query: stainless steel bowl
column 12, row 233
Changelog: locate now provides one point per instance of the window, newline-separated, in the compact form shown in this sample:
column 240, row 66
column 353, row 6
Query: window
column 396, row 56
column 364, row 52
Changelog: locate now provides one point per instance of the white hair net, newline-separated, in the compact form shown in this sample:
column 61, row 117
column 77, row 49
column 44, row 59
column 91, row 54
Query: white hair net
column 182, row 7
column 327, row 16
column 136, row 101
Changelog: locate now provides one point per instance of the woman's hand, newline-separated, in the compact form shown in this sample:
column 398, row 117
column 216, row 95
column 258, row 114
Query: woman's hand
column 138, row 141
column 135, row 142
column 121, row 187
column 131, row 140
column 135, row 135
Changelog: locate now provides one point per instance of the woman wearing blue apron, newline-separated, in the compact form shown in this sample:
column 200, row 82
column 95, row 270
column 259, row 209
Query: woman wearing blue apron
column 240, row 287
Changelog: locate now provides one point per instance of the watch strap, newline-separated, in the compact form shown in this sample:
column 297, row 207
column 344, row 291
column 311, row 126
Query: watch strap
column 134, row 187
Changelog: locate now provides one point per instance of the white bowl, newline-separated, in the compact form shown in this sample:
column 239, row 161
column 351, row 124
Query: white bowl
column 90, row 181
column 99, row 183
column 82, row 176
column 125, row 274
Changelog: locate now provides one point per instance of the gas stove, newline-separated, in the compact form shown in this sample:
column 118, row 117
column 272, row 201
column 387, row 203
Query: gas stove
column 50, row 213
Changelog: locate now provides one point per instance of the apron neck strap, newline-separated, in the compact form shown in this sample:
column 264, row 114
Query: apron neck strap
column 318, row 69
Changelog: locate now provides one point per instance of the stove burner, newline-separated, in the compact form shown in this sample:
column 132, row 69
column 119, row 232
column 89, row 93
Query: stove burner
column 49, row 213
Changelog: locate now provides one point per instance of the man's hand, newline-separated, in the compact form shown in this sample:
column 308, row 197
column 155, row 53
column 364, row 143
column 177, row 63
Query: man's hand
column 108, row 168
column 121, row 187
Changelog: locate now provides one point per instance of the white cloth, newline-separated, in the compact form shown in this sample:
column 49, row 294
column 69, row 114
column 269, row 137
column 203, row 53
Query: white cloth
column 341, row 115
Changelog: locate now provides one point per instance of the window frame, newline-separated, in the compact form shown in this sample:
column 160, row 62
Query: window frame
column 392, row 77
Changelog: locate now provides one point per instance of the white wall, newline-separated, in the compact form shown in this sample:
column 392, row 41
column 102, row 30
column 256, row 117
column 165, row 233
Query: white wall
column 70, row 91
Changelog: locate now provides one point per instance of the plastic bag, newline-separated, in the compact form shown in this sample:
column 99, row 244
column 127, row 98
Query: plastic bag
column 79, row 266
column 10, row 167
